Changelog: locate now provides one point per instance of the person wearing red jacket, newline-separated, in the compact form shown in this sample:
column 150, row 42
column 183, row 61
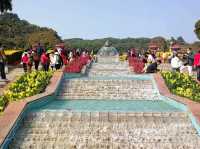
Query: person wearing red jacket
column 25, row 61
column 45, row 61
column 197, row 64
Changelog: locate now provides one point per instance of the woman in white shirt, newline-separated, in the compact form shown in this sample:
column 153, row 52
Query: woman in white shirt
column 176, row 63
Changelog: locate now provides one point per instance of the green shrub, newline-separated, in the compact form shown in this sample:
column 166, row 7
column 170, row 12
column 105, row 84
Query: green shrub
column 27, row 85
column 182, row 84
column 3, row 102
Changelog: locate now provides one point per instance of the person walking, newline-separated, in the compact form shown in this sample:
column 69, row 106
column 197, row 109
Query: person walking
column 30, row 60
column 25, row 60
column 197, row 64
column 45, row 61
column 57, row 60
column 52, row 60
column 190, row 60
column 2, row 63
column 36, row 58
column 38, row 51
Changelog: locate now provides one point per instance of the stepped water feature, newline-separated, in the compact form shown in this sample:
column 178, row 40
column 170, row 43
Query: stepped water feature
column 110, row 70
column 109, row 108
column 109, row 89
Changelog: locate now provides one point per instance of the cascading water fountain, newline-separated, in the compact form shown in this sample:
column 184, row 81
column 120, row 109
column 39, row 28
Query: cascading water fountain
column 109, row 109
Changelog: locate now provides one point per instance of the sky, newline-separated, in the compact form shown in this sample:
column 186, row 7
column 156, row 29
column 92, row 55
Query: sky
column 91, row 19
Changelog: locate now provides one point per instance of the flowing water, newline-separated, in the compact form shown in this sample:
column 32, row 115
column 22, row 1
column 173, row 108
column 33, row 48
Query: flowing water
column 110, row 109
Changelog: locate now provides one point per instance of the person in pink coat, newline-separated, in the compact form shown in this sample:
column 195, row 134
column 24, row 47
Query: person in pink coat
column 197, row 64
column 45, row 61
column 25, row 60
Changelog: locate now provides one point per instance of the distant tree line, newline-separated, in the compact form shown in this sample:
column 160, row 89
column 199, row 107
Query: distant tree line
column 123, row 44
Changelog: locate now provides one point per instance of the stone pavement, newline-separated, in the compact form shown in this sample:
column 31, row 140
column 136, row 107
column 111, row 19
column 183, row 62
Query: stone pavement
column 13, row 73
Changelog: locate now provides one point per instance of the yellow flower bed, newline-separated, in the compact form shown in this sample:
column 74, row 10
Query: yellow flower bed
column 11, row 51
column 182, row 85
column 123, row 57
column 164, row 55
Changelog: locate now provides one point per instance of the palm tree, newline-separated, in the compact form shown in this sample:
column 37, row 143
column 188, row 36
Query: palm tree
column 5, row 5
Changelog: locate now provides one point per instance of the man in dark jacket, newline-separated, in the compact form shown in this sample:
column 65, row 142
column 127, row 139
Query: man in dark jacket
column 152, row 68
column 190, row 60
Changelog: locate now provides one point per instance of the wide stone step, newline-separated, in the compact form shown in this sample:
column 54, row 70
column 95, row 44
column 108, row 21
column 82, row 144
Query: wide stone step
column 111, row 72
column 143, row 138
column 61, row 129
column 101, row 97
column 105, row 145
column 128, row 116
column 78, row 139
column 107, row 89
column 110, row 65
column 66, row 129
column 109, row 81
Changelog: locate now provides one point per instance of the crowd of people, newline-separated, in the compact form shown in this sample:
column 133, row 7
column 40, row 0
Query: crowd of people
column 57, row 57
column 190, row 61
column 53, row 59
column 148, row 58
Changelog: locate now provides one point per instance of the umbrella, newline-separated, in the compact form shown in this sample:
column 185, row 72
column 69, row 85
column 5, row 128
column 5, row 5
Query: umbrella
column 49, row 51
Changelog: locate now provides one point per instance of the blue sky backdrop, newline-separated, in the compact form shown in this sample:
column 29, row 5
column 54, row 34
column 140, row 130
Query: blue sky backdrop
column 91, row 19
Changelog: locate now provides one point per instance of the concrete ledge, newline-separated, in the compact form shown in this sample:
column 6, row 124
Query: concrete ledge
column 193, row 106
column 15, row 109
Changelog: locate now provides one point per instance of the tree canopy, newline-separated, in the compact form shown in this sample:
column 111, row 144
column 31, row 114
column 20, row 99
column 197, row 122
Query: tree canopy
column 18, row 33
column 5, row 5
column 48, row 38
column 197, row 29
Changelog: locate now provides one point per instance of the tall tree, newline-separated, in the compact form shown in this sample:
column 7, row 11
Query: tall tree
column 180, row 40
column 197, row 29
column 48, row 38
column 5, row 5
column 172, row 39
column 160, row 42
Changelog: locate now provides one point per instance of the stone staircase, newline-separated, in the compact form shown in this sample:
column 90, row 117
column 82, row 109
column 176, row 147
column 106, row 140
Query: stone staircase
column 109, row 89
column 89, row 130
column 60, row 129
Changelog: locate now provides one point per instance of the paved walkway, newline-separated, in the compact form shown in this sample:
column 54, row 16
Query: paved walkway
column 11, row 76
